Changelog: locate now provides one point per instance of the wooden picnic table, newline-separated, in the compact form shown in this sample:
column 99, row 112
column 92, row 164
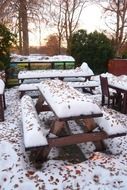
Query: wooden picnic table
column 67, row 104
column 61, row 74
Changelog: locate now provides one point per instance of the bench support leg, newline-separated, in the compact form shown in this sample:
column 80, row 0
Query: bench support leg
column 41, row 154
column 88, row 125
column 1, row 108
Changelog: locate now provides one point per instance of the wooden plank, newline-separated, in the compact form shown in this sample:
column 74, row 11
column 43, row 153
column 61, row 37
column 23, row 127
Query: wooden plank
column 57, row 127
column 76, row 138
column 81, row 116
column 89, row 123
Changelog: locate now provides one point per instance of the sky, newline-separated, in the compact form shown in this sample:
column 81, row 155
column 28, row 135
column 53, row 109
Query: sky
column 90, row 20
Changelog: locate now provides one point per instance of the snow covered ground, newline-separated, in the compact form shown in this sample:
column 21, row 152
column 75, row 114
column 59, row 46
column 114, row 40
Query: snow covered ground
column 101, row 171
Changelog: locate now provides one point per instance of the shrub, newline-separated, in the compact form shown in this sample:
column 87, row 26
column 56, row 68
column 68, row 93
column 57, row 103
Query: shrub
column 94, row 48
column 7, row 39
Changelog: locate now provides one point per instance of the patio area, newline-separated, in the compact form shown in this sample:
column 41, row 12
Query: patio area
column 104, row 170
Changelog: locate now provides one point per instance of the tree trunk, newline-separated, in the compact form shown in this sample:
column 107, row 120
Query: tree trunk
column 20, row 34
column 24, row 23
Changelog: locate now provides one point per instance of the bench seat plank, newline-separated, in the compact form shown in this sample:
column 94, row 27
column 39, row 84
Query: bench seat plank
column 32, row 130
column 112, row 122
column 28, row 87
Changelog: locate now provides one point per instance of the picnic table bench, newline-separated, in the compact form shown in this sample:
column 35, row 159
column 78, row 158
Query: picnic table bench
column 32, row 130
column 70, row 105
column 87, row 86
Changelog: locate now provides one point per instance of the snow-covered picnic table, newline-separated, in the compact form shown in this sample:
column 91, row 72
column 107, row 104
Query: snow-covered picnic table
column 41, row 74
column 82, row 71
column 64, row 100
column 87, row 86
column 49, row 61
column 28, row 79
column 67, row 104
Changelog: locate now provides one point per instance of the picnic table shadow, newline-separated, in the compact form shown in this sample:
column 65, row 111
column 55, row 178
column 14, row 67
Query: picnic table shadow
column 70, row 153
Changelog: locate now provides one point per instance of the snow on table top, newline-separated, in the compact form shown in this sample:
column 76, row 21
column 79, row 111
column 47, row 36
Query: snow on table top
column 119, row 84
column 65, row 100
column 53, row 73
column 2, row 86
column 42, row 58
column 33, row 132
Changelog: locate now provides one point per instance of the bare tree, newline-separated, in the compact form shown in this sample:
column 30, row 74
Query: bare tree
column 17, row 10
column 21, row 12
column 66, row 16
column 73, row 10
column 115, row 13
column 56, row 17
column 23, row 23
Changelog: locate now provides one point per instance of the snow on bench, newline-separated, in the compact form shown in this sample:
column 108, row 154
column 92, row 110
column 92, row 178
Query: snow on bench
column 112, row 122
column 27, row 87
column 34, row 86
column 2, row 100
column 32, row 130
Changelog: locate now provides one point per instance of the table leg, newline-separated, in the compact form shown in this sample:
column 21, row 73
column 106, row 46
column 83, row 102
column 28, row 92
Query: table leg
column 56, row 128
column 1, row 108
column 40, row 106
column 88, row 125
column 124, row 107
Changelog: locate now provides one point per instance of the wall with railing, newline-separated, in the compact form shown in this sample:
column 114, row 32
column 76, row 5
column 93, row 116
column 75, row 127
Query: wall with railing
column 117, row 66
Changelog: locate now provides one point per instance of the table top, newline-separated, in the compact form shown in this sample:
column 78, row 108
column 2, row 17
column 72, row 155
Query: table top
column 67, row 102
column 52, row 73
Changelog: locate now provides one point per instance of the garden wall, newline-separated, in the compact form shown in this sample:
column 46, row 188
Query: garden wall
column 117, row 66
